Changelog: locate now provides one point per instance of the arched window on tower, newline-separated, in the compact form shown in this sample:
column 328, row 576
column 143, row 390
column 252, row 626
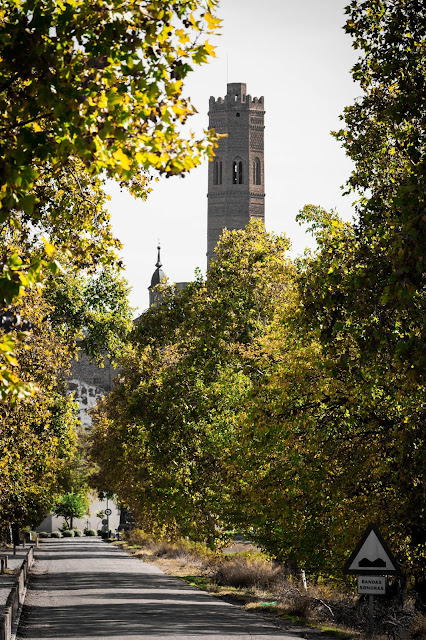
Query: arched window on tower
column 217, row 172
column 237, row 171
column 257, row 175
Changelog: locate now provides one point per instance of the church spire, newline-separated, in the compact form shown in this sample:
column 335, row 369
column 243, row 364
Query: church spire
column 158, row 263
column 157, row 278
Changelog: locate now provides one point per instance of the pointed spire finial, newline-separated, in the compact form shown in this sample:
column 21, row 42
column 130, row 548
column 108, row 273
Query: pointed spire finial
column 158, row 264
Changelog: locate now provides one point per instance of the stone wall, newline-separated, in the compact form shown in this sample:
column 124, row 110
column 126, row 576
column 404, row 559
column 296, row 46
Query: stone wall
column 89, row 382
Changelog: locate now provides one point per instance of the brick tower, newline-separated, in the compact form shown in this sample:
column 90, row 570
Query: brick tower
column 236, row 188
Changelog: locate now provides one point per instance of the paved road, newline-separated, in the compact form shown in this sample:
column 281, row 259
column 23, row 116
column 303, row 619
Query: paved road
column 84, row 588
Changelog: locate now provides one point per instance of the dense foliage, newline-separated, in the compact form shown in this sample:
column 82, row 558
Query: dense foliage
column 37, row 433
column 92, row 309
column 287, row 400
column 163, row 434
column 232, row 412
column 88, row 89
column 40, row 454
column 384, row 134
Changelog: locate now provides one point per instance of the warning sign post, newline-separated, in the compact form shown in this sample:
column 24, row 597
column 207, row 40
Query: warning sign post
column 370, row 558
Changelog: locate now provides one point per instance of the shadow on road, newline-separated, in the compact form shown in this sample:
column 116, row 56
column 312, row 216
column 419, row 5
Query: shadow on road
column 111, row 595
column 151, row 619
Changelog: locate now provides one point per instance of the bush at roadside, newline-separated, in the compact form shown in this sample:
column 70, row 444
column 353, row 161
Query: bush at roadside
column 179, row 548
column 246, row 572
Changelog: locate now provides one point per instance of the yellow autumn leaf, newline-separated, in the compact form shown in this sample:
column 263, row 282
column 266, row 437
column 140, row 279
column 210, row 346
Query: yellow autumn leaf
column 48, row 247
column 212, row 22
column 210, row 49
column 153, row 159
column 122, row 159
column 103, row 101
column 179, row 110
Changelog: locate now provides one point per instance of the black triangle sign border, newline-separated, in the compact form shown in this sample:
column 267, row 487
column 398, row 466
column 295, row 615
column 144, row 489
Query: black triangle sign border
column 373, row 571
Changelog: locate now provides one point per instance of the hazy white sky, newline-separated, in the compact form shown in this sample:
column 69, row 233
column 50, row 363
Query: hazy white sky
column 295, row 54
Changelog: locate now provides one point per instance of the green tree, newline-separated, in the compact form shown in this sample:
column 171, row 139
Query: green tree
column 88, row 90
column 98, row 82
column 87, row 305
column 164, row 434
column 72, row 214
column 37, row 432
column 384, row 135
column 42, row 453
column 329, row 438
column 364, row 291
column 307, row 406
column 92, row 309
column 70, row 506
column 372, row 410
column 234, row 410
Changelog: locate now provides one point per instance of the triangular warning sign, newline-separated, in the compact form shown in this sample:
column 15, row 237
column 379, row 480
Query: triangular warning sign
column 371, row 555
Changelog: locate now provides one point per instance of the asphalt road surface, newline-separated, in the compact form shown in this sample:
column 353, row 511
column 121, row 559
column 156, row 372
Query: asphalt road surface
column 84, row 588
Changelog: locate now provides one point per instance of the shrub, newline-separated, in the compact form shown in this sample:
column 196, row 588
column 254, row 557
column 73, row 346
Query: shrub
column 418, row 627
column 68, row 533
column 179, row 548
column 246, row 572
column 78, row 533
column 90, row 532
column 165, row 549
column 298, row 606
column 43, row 534
column 56, row 534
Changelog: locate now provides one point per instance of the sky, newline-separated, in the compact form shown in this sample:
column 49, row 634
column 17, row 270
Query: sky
column 295, row 54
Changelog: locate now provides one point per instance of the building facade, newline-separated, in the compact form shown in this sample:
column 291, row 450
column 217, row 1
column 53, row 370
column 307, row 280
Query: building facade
column 236, row 180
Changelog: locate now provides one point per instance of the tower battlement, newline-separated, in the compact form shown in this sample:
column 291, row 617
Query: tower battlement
column 236, row 95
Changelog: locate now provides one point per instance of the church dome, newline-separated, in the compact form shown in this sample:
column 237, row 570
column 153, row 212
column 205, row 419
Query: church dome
column 157, row 277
